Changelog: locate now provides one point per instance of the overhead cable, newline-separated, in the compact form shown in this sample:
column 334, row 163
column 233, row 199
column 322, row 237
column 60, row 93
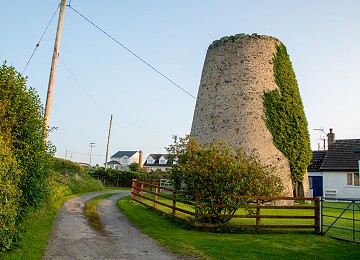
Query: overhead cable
column 134, row 54
column 78, row 82
column 94, row 101
column 38, row 43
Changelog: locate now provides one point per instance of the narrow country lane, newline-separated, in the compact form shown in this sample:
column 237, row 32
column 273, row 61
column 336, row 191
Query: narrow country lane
column 73, row 238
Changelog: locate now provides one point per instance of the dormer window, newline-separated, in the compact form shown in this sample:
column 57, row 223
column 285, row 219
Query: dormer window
column 149, row 161
column 125, row 160
column 162, row 161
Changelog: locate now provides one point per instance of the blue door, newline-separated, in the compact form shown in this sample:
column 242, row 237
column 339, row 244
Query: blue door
column 316, row 184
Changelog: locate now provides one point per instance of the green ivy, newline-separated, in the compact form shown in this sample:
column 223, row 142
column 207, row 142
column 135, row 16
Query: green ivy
column 285, row 117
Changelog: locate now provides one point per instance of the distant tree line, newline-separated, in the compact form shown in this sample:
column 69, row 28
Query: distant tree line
column 120, row 178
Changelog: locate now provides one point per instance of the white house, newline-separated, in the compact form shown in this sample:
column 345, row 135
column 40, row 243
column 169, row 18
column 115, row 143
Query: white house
column 335, row 173
column 122, row 159
column 157, row 162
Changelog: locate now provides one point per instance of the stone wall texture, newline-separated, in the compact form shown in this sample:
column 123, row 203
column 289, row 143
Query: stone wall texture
column 237, row 70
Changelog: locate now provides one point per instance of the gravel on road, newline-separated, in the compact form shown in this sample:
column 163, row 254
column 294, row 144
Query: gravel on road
column 72, row 236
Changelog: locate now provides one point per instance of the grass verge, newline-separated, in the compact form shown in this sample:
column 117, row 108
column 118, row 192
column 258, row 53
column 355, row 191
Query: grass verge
column 91, row 212
column 36, row 231
column 206, row 245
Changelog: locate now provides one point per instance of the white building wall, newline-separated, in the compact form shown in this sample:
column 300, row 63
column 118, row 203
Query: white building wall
column 134, row 158
column 338, row 181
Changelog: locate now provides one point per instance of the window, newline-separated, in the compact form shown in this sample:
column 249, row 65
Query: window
column 149, row 161
column 353, row 179
column 162, row 162
column 125, row 160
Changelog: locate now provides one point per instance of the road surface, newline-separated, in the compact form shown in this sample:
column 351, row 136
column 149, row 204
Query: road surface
column 73, row 238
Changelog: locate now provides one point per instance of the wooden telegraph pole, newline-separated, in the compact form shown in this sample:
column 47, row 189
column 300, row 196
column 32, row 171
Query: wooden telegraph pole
column 53, row 65
column 108, row 142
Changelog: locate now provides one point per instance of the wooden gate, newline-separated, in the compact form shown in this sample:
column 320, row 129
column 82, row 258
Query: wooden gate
column 340, row 219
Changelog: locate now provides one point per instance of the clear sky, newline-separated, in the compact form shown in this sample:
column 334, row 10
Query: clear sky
column 96, row 77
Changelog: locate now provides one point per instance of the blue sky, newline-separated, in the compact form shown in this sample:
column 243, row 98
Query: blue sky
column 321, row 37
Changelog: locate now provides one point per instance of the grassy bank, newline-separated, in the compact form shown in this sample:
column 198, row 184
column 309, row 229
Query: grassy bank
column 66, row 180
column 235, row 246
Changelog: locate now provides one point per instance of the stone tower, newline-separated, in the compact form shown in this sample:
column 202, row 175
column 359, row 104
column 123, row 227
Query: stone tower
column 237, row 71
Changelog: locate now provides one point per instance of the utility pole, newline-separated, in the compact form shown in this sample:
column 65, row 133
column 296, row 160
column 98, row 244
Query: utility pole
column 91, row 147
column 108, row 142
column 53, row 65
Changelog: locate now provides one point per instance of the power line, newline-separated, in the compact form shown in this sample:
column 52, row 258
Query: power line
column 78, row 82
column 134, row 54
column 38, row 43
column 84, row 153
column 93, row 100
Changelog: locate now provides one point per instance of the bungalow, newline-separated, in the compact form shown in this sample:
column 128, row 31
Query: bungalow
column 157, row 162
column 122, row 159
column 335, row 173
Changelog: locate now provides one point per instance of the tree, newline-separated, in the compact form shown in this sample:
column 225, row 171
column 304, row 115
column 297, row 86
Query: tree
column 212, row 174
column 135, row 167
column 22, row 126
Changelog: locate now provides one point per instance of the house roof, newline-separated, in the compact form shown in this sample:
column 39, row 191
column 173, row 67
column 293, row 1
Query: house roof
column 156, row 158
column 341, row 156
column 114, row 162
column 120, row 154
column 316, row 161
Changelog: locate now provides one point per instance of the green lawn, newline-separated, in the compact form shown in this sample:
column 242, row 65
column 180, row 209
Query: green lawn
column 347, row 212
column 266, row 245
column 240, row 221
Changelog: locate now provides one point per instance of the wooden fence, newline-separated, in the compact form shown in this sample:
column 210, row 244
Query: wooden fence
column 266, row 212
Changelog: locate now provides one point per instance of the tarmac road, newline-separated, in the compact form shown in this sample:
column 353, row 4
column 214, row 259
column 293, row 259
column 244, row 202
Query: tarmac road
column 73, row 238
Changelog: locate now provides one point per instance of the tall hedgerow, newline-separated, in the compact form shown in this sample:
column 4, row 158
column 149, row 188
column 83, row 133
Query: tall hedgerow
column 286, row 120
column 22, row 132
column 10, row 195
column 22, row 125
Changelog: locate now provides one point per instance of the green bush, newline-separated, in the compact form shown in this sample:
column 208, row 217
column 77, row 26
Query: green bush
column 134, row 167
column 213, row 175
column 116, row 178
column 65, row 166
column 10, row 195
column 157, row 174
column 23, row 150
column 22, row 125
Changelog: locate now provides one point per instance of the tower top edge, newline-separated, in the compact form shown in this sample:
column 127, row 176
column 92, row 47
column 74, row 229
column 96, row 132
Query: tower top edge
column 240, row 37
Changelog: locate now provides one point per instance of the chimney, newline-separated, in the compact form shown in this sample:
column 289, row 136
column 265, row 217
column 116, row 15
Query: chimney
column 331, row 137
column 140, row 159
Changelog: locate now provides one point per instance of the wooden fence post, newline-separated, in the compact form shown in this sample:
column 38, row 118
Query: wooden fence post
column 258, row 220
column 142, row 192
column 174, row 204
column 196, row 211
column 132, row 189
column 317, row 215
column 156, row 197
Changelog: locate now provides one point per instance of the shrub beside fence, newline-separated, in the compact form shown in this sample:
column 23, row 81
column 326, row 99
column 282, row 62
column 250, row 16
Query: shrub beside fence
column 115, row 178
column 259, row 212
